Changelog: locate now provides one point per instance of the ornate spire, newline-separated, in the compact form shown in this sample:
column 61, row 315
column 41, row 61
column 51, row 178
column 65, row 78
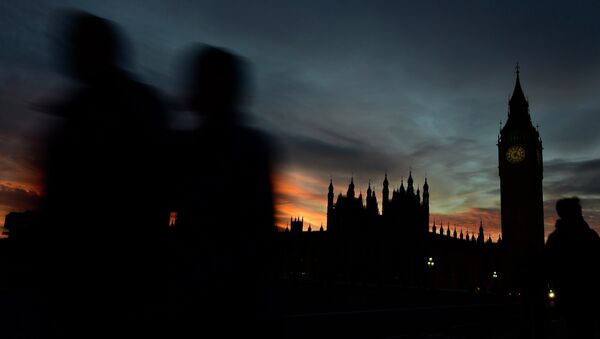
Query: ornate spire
column 518, row 104
column 350, row 193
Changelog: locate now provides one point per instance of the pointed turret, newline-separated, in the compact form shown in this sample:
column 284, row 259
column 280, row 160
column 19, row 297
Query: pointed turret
column 481, row 236
column 330, row 203
column 410, row 188
column 426, row 193
column 372, row 208
column 350, row 193
column 518, row 99
column 433, row 228
column 385, row 195
column 518, row 109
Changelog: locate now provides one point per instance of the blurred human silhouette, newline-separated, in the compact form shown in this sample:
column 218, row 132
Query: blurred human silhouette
column 572, row 254
column 225, row 209
column 100, row 248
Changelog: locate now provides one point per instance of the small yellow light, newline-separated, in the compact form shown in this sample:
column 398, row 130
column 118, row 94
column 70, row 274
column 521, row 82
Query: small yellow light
column 551, row 294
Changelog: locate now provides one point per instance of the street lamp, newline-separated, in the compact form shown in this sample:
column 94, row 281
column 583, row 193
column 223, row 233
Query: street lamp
column 495, row 275
column 430, row 262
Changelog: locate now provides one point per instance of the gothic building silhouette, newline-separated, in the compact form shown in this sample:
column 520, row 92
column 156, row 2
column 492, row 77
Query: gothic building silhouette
column 396, row 245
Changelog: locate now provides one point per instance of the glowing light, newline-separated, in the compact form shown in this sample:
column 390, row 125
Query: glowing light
column 430, row 262
column 495, row 275
column 551, row 294
column 172, row 219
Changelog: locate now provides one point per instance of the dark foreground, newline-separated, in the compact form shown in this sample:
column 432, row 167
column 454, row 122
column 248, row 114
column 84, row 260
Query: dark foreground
column 392, row 312
column 358, row 311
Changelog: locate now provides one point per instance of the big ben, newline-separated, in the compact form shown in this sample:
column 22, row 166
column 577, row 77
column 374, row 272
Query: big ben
column 521, row 199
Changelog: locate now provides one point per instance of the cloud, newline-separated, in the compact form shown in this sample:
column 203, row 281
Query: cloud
column 564, row 177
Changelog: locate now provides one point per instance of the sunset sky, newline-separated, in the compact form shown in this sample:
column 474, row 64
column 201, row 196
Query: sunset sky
column 347, row 88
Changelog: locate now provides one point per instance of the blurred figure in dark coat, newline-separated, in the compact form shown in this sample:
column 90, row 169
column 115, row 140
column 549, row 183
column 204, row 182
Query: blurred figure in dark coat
column 572, row 257
column 100, row 248
column 225, row 219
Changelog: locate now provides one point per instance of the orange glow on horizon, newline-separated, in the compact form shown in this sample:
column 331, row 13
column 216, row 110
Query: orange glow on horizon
column 300, row 195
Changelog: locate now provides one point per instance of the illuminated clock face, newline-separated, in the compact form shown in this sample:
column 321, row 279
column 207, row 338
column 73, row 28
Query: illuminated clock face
column 515, row 154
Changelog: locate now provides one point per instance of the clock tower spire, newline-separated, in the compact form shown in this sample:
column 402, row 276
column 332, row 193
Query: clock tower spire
column 521, row 173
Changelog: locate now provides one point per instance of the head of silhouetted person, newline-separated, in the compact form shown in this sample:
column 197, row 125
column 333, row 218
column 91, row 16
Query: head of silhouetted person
column 92, row 46
column 216, row 84
column 569, row 208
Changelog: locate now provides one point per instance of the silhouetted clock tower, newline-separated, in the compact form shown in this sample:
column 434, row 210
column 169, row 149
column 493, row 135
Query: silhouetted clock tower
column 522, row 210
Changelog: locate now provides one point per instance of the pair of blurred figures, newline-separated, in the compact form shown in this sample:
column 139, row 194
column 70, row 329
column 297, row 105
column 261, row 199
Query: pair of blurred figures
column 109, row 265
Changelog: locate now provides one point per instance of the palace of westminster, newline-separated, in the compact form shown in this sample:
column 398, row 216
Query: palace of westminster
column 398, row 246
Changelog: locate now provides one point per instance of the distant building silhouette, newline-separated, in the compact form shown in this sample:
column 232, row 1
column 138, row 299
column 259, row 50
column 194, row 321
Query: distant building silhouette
column 394, row 246
column 522, row 207
column 20, row 225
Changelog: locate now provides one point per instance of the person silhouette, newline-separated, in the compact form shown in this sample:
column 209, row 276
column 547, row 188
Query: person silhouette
column 572, row 255
column 225, row 222
column 100, row 250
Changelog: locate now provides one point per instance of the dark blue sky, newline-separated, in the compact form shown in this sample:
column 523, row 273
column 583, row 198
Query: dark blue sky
column 349, row 87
